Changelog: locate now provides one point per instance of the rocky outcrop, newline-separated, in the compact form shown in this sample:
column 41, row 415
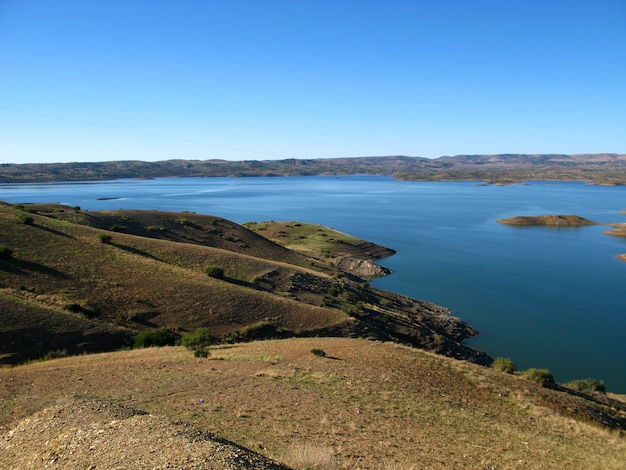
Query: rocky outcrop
column 359, row 259
column 361, row 267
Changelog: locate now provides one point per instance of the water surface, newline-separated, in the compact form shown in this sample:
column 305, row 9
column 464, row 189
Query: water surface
column 546, row 297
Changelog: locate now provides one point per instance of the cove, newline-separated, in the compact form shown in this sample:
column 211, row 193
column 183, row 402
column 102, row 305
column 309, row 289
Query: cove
column 546, row 297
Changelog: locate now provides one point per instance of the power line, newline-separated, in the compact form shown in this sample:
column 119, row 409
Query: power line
column 134, row 131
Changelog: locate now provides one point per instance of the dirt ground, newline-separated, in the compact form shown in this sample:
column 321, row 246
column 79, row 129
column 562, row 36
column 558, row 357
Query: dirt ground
column 363, row 405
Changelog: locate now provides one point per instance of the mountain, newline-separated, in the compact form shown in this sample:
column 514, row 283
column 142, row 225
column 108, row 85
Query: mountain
column 604, row 168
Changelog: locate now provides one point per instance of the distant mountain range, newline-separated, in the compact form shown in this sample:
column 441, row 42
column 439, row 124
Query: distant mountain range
column 601, row 168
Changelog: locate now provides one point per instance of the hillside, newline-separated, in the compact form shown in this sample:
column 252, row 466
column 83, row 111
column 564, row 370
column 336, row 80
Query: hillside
column 366, row 404
column 604, row 168
column 80, row 281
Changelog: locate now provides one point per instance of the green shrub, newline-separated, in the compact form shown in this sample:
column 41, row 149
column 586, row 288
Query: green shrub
column 588, row 385
column 55, row 354
column 158, row 337
column 104, row 238
column 116, row 228
column 333, row 291
column 199, row 339
column 214, row 271
column 231, row 338
column 542, row 376
column 201, row 353
column 504, row 364
column 5, row 252
column 26, row 219
column 318, row 352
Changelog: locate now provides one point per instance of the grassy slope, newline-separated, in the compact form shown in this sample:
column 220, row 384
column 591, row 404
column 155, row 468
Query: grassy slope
column 366, row 405
column 137, row 282
column 151, row 274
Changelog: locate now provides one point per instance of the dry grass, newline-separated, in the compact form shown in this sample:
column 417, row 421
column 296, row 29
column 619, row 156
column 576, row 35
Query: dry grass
column 138, row 282
column 367, row 405
column 310, row 456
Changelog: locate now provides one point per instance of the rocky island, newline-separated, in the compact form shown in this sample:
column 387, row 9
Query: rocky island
column 548, row 220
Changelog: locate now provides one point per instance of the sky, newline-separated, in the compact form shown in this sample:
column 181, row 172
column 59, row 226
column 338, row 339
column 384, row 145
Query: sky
column 151, row 80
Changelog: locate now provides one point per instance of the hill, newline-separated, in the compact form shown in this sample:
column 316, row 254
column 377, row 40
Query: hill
column 604, row 168
column 364, row 404
column 79, row 281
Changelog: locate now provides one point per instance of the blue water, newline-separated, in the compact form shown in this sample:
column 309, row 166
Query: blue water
column 546, row 297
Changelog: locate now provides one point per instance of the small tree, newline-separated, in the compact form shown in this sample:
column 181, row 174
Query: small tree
column 504, row 364
column 199, row 339
column 158, row 337
column 214, row 271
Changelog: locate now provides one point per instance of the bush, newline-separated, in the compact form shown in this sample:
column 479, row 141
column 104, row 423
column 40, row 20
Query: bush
column 318, row 352
column 214, row 271
column 26, row 219
column 542, row 376
column 201, row 353
column 504, row 364
column 104, row 238
column 333, row 291
column 588, row 385
column 199, row 339
column 55, row 354
column 231, row 338
column 73, row 307
column 158, row 337
column 5, row 252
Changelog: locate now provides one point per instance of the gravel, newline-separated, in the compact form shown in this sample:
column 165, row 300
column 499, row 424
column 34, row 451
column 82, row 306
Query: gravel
column 92, row 434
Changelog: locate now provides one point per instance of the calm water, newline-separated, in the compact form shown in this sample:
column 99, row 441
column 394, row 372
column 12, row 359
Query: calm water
column 545, row 297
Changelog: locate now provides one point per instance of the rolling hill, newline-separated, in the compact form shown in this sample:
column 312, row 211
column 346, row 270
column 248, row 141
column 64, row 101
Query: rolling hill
column 85, row 281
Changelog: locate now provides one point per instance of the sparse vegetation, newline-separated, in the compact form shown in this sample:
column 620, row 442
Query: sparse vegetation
column 105, row 238
column 587, row 385
column 368, row 409
column 156, row 338
column 199, row 339
column 504, row 364
column 542, row 376
column 318, row 352
column 201, row 353
column 214, row 271
column 26, row 219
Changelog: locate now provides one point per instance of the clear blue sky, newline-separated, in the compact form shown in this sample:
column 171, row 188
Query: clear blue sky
column 96, row 80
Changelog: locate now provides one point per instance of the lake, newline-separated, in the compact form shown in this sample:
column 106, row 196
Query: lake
column 546, row 297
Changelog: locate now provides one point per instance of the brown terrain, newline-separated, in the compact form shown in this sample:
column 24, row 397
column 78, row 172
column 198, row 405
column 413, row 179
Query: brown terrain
column 549, row 220
column 365, row 404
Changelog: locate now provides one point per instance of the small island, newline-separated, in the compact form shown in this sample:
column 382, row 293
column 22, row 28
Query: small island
column 548, row 220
